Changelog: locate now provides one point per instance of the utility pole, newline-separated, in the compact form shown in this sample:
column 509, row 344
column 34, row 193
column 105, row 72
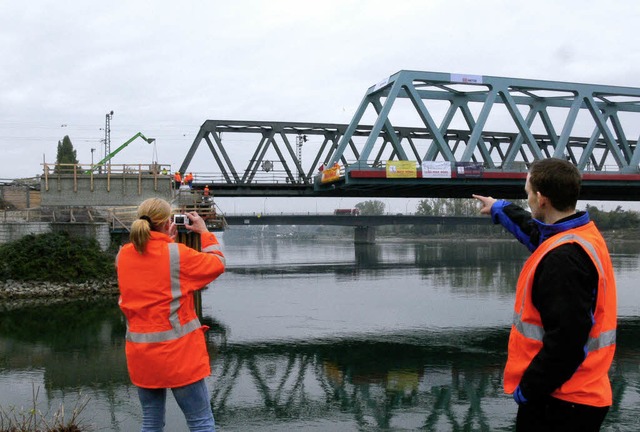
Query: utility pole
column 300, row 139
column 107, row 134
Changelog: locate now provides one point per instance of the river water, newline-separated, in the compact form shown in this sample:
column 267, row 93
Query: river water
column 321, row 336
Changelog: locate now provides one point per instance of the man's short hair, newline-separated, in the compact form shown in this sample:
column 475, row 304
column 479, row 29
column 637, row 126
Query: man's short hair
column 558, row 180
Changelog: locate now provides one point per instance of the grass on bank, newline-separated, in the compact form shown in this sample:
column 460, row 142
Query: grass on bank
column 33, row 420
column 55, row 257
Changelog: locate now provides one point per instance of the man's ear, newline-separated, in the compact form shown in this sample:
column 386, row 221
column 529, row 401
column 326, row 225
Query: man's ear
column 543, row 201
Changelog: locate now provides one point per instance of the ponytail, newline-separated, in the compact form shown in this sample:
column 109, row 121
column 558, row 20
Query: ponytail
column 152, row 213
column 140, row 234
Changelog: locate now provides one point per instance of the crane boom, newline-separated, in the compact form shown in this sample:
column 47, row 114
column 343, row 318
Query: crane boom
column 116, row 151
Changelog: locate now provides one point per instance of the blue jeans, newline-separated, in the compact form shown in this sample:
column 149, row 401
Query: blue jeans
column 192, row 399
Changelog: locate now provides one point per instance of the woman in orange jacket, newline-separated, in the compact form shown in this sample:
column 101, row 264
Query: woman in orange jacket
column 165, row 342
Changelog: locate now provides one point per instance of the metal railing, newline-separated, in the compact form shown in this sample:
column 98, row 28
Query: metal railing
column 121, row 218
column 83, row 171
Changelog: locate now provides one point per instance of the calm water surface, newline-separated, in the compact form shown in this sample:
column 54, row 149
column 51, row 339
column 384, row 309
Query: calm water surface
column 321, row 336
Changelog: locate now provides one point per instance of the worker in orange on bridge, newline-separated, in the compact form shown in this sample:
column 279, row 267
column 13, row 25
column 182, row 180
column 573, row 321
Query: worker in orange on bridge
column 177, row 179
column 165, row 342
column 205, row 192
column 188, row 179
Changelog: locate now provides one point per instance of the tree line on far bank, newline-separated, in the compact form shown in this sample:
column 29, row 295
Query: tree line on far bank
column 614, row 219
column 605, row 220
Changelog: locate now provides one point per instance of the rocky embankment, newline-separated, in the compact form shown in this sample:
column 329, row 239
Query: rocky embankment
column 49, row 292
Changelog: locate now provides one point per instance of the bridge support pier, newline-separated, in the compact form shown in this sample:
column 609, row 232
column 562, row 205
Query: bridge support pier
column 364, row 235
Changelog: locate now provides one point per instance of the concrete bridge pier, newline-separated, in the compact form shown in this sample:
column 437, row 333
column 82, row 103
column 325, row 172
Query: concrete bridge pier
column 364, row 235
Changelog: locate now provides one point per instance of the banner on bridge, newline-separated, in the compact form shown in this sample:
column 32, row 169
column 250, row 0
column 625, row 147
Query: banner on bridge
column 469, row 169
column 401, row 169
column 436, row 169
column 330, row 174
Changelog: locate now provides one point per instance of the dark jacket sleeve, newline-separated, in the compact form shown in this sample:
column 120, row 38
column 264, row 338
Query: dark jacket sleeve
column 564, row 292
column 517, row 221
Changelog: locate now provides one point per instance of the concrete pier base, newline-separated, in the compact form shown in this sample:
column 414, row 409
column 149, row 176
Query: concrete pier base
column 364, row 235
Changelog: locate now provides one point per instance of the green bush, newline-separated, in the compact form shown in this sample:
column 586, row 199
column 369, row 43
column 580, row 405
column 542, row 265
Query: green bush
column 55, row 257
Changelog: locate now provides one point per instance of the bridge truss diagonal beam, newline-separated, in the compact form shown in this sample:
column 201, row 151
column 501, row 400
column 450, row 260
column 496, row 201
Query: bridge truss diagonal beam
column 268, row 147
column 595, row 122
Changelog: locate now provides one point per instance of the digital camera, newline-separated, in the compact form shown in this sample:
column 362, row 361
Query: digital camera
column 181, row 219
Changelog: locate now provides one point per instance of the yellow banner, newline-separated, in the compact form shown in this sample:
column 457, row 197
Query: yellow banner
column 401, row 169
column 330, row 174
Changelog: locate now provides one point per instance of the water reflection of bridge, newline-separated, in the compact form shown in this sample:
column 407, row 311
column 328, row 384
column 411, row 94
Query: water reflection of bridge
column 409, row 380
column 450, row 380
column 405, row 381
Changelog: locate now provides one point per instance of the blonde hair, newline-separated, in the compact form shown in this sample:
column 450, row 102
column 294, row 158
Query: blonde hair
column 152, row 213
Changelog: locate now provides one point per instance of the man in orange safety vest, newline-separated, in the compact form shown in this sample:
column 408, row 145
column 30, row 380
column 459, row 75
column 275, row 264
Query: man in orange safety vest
column 563, row 335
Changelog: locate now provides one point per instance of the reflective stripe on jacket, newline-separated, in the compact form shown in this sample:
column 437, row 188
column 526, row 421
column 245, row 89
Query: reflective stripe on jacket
column 165, row 343
column 589, row 385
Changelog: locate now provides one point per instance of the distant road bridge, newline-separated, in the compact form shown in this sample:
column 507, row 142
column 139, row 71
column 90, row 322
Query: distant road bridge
column 435, row 135
column 364, row 232
column 369, row 220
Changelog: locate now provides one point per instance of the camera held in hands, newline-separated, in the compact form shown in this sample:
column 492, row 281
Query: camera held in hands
column 181, row 219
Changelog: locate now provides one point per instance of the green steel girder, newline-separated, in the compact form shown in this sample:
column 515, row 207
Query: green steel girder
column 608, row 148
column 436, row 117
column 271, row 135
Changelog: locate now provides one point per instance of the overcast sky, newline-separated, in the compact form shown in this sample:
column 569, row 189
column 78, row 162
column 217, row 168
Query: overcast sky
column 164, row 67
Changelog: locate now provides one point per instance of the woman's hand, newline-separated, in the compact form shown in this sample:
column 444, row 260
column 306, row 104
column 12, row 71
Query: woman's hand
column 173, row 231
column 197, row 223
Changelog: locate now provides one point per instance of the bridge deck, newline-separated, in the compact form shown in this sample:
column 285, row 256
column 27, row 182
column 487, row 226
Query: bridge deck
column 373, row 183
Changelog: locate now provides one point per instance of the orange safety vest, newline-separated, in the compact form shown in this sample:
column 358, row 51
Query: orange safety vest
column 177, row 177
column 165, row 343
column 589, row 385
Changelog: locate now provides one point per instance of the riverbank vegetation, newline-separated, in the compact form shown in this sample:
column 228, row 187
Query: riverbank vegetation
column 31, row 419
column 55, row 257
column 605, row 220
column 610, row 222
column 616, row 219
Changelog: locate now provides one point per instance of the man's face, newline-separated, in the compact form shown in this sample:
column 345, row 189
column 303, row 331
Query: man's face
column 532, row 200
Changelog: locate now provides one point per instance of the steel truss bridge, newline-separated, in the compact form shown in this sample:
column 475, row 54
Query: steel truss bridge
column 496, row 125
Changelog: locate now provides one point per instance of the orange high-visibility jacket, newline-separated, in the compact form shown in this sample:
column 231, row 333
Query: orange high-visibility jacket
column 177, row 177
column 165, row 343
column 589, row 385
